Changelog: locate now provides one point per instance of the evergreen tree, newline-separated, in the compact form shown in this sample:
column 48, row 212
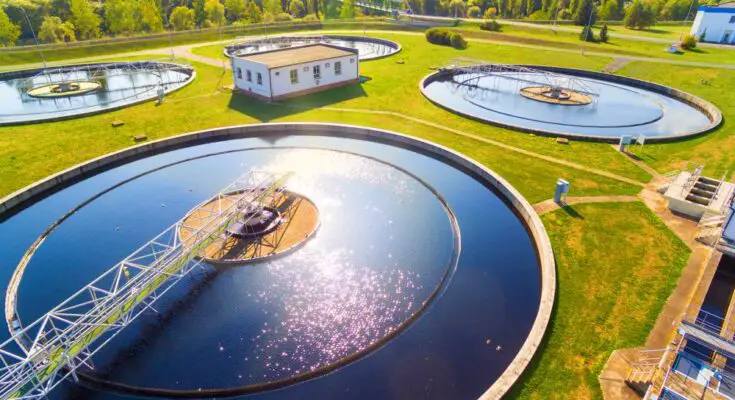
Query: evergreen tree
column 703, row 35
column 199, row 14
column 586, row 13
column 603, row 34
column 587, row 35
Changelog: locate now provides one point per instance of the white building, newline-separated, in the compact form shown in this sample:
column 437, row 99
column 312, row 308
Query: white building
column 295, row 71
column 715, row 23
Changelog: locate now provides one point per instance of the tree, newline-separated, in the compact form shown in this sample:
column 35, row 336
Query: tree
column 676, row 10
column 297, row 10
column 121, row 17
column 603, row 34
column 609, row 11
column 85, row 20
column 272, row 6
column 199, row 14
column 348, row 9
column 54, row 30
column 149, row 16
column 586, row 13
column 215, row 12
column 235, row 9
column 331, row 9
column 639, row 16
column 703, row 35
column 473, row 12
column 689, row 42
column 182, row 18
column 253, row 13
column 587, row 35
column 9, row 32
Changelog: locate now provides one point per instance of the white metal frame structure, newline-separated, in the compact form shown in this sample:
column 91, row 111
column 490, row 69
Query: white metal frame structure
column 477, row 69
column 38, row 357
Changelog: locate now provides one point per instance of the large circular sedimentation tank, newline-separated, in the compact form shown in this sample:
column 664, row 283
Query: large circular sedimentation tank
column 429, row 275
column 569, row 102
column 369, row 48
column 38, row 95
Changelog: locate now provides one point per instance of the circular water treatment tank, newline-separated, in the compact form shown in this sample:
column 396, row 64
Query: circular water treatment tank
column 570, row 103
column 424, row 260
column 369, row 48
column 40, row 95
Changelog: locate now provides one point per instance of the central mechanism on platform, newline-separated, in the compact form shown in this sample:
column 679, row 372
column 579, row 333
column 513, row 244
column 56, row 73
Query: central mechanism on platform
column 64, row 89
column 256, row 222
column 556, row 95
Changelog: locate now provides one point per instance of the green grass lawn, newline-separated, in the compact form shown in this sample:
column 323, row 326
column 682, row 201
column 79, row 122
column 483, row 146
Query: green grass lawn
column 617, row 263
column 615, row 46
column 715, row 149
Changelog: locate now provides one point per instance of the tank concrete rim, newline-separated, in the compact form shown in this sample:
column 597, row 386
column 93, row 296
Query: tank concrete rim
column 708, row 109
column 397, row 46
column 42, row 188
column 52, row 118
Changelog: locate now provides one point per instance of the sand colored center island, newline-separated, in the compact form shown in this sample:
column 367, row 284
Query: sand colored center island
column 286, row 221
column 547, row 94
column 64, row 89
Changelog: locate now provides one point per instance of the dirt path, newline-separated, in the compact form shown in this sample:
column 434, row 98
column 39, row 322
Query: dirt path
column 550, row 205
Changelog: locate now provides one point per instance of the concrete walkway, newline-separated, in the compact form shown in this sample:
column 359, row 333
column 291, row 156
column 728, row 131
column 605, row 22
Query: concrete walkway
column 550, row 205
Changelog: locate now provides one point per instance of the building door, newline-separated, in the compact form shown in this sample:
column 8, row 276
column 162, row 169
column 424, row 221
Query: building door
column 727, row 37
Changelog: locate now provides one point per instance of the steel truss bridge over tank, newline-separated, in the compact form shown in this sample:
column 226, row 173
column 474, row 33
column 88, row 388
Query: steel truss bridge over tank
column 475, row 70
column 39, row 356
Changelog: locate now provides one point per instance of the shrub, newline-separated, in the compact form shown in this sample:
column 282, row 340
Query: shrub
column 473, row 12
column 703, row 36
column 689, row 42
column 491, row 25
column 283, row 17
column 587, row 35
column 603, row 34
column 310, row 17
column 445, row 37
column 490, row 13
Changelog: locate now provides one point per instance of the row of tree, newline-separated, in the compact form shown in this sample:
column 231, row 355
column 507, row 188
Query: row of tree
column 70, row 20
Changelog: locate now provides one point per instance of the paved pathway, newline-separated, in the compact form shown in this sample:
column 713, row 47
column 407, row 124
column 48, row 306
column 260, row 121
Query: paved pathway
column 550, row 205
column 615, row 64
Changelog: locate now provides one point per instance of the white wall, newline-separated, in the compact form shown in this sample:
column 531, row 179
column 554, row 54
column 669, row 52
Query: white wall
column 716, row 23
column 255, row 68
column 281, row 77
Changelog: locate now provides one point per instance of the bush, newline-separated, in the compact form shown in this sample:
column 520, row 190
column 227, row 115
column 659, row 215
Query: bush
column 310, row 17
column 492, row 25
column 473, row 12
column 445, row 37
column 603, row 34
column 490, row 13
column 689, row 42
column 703, row 35
column 283, row 17
column 587, row 35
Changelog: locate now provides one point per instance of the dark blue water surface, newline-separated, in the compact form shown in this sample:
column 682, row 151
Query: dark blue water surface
column 384, row 245
column 119, row 86
column 616, row 110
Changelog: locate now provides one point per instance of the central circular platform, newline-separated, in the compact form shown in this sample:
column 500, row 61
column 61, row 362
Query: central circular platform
column 287, row 223
column 64, row 89
column 549, row 95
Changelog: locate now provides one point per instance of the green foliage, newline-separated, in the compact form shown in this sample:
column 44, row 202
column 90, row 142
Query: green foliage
column 473, row 12
column 199, row 14
column 587, row 35
column 9, row 32
column 182, row 18
column 149, row 16
column 445, row 37
column 215, row 12
column 273, row 6
column 639, row 16
column 310, row 17
column 296, row 8
column 609, row 11
column 491, row 25
column 676, row 10
column 348, row 9
column 54, row 30
column 283, row 17
column 689, row 42
column 490, row 13
column 253, row 13
column 234, row 9
column 85, row 20
column 120, row 16
column 586, row 13
column 603, row 34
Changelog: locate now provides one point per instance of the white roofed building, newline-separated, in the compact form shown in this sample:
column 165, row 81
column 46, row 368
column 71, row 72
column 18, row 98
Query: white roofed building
column 295, row 71
column 715, row 24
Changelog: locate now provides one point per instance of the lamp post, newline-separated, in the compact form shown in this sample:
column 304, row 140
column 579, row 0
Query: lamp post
column 38, row 45
column 170, row 30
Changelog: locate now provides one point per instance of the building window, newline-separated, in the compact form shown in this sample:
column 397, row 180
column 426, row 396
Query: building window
column 338, row 68
column 306, row 69
column 278, row 73
column 352, row 60
column 326, row 65
column 239, row 73
column 260, row 79
column 732, row 19
column 294, row 76
column 249, row 75
column 317, row 72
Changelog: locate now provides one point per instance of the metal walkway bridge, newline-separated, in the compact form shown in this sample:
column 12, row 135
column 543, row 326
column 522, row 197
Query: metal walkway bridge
column 38, row 357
